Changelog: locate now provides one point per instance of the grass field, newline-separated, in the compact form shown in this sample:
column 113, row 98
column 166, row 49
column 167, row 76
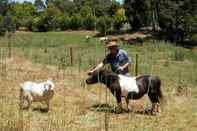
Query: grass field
column 76, row 106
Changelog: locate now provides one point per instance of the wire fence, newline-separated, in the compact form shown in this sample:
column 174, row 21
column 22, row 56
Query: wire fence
column 69, row 64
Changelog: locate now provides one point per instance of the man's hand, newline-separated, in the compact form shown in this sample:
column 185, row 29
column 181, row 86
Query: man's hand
column 90, row 72
column 120, row 68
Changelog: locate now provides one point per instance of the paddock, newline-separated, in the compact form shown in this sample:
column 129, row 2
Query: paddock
column 77, row 106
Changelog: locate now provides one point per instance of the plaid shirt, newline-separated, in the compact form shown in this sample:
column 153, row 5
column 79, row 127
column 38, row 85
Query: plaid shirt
column 117, row 61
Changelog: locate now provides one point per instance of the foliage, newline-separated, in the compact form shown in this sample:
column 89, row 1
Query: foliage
column 39, row 5
column 175, row 19
column 9, row 23
column 104, row 24
column 4, row 6
column 2, row 29
column 64, row 22
column 76, row 22
column 23, row 14
column 136, row 12
column 90, row 22
column 119, row 18
column 113, row 8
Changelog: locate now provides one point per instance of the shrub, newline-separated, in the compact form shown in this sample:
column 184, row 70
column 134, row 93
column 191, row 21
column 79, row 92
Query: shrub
column 76, row 22
column 89, row 22
column 179, row 55
column 64, row 22
column 104, row 24
column 39, row 24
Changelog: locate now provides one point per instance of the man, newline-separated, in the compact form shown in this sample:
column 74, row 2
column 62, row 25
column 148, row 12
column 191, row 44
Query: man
column 117, row 58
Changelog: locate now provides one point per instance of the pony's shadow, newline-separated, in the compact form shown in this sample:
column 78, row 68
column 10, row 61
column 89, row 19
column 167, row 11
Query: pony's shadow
column 145, row 112
column 112, row 109
column 107, row 108
column 42, row 110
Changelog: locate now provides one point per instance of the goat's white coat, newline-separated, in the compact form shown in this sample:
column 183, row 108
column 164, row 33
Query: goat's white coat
column 37, row 92
column 103, row 39
column 127, row 84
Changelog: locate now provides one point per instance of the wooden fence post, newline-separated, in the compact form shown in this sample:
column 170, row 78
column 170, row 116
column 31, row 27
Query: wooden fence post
column 71, row 55
column 136, row 65
column 9, row 45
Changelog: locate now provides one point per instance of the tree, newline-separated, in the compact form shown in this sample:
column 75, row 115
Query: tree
column 137, row 12
column 39, row 5
column 175, row 19
column 23, row 14
column 65, row 22
column 113, row 8
column 104, row 24
column 51, row 17
column 90, row 22
column 76, row 22
column 3, row 6
column 9, row 23
column 154, row 14
column 2, row 28
column 119, row 18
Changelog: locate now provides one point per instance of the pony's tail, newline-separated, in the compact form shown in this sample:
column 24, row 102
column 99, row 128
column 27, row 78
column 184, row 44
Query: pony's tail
column 162, row 100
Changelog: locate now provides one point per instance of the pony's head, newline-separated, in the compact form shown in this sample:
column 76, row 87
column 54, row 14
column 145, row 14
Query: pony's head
column 96, row 76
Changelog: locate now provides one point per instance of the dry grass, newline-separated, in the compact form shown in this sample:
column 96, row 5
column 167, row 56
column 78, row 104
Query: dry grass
column 74, row 106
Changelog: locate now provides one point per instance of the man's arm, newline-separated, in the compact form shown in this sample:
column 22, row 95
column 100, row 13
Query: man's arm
column 98, row 67
column 124, row 66
column 127, row 62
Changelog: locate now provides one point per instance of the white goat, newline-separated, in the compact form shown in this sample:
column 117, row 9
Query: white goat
column 36, row 92
column 103, row 39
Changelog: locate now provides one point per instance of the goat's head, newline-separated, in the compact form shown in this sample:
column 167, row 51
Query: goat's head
column 49, row 85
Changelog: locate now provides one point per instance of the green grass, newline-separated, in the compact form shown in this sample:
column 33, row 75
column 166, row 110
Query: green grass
column 39, row 56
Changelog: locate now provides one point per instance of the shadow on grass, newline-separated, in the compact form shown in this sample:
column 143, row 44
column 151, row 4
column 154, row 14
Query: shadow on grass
column 42, row 110
column 115, row 110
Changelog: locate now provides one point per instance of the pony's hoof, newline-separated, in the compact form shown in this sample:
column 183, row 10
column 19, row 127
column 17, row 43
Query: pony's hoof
column 155, row 113
column 118, row 110
column 127, row 110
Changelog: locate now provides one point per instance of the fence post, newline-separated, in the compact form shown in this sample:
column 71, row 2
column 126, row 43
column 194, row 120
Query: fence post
column 136, row 65
column 9, row 45
column 71, row 55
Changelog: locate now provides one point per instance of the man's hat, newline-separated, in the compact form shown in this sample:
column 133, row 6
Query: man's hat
column 111, row 44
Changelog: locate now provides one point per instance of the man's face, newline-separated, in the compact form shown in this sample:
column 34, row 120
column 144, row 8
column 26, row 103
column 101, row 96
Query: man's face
column 113, row 50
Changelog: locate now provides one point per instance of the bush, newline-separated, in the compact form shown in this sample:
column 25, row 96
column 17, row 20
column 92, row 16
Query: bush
column 104, row 24
column 38, row 24
column 76, row 22
column 119, row 18
column 89, row 22
column 179, row 55
column 64, row 22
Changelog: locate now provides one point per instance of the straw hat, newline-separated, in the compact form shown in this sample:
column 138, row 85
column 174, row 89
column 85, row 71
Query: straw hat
column 111, row 44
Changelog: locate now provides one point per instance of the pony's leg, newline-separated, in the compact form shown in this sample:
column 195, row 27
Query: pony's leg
column 155, row 103
column 119, row 108
column 155, row 108
column 127, row 102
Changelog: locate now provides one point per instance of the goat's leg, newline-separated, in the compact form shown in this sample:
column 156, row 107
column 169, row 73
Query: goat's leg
column 21, row 98
column 29, row 101
column 21, row 101
column 48, row 105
